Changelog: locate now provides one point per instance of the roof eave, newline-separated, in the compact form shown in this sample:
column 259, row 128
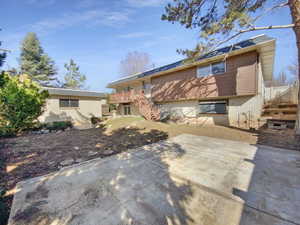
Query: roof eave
column 257, row 47
column 267, row 56
column 71, row 92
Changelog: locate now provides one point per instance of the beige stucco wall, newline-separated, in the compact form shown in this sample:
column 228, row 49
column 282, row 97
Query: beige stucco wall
column 88, row 107
column 245, row 111
column 180, row 108
column 242, row 112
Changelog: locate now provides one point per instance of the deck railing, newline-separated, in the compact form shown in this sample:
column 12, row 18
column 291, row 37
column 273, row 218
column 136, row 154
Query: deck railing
column 124, row 96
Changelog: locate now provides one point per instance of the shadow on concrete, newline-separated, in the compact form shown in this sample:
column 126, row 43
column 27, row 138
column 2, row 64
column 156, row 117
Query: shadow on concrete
column 189, row 180
column 33, row 156
column 271, row 194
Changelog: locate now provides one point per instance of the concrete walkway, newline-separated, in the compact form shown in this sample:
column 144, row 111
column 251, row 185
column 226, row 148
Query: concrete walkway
column 185, row 180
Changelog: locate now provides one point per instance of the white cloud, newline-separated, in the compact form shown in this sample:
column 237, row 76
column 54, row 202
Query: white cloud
column 114, row 18
column 41, row 2
column 86, row 3
column 89, row 17
column 146, row 3
column 135, row 35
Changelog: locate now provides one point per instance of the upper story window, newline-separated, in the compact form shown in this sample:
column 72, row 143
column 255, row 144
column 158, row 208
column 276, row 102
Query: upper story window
column 211, row 69
column 68, row 103
column 146, row 85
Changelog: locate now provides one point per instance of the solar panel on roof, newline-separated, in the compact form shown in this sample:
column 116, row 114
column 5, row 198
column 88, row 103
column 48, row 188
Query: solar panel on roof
column 221, row 51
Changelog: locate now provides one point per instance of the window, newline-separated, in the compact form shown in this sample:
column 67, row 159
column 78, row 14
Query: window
column 146, row 85
column 218, row 68
column 68, row 103
column 204, row 71
column 214, row 68
column 216, row 107
column 74, row 103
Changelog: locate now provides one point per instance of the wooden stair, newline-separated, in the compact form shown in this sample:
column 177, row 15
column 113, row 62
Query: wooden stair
column 146, row 107
column 280, row 111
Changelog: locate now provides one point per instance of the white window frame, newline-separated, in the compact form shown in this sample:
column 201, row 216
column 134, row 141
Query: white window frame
column 69, row 103
column 210, row 65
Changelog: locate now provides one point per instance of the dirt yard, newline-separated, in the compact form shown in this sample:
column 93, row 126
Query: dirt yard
column 34, row 155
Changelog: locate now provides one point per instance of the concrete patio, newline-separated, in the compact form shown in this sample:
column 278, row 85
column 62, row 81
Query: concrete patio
column 185, row 180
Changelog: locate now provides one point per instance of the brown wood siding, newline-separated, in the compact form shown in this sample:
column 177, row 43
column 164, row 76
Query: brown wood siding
column 239, row 79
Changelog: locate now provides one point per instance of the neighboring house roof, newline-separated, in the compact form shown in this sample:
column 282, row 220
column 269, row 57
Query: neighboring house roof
column 73, row 92
column 221, row 51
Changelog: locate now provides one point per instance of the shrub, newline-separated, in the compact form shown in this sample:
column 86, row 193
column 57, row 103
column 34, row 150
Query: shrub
column 21, row 103
column 95, row 120
column 37, row 126
column 112, row 107
column 59, row 125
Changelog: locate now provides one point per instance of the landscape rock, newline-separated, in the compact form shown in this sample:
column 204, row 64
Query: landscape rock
column 67, row 162
column 45, row 131
column 91, row 153
column 50, row 163
column 76, row 147
column 79, row 160
column 99, row 145
column 107, row 152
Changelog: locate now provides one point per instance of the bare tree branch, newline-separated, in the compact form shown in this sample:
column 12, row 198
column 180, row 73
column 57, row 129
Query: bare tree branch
column 5, row 50
column 213, row 6
column 135, row 62
column 270, row 9
column 254, row 29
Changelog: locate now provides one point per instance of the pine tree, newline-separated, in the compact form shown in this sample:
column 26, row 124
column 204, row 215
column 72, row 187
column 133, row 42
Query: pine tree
column 2, row 56
column 74, row 78
column 35, row 63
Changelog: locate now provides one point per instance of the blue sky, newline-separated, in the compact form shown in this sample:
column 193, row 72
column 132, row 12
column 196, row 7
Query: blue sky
column 98, row 34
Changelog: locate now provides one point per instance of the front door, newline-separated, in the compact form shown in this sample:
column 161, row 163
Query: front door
column 127, row 110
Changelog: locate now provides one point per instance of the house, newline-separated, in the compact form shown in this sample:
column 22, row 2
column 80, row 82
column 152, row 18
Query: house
column 77, row 106
column 223, row 87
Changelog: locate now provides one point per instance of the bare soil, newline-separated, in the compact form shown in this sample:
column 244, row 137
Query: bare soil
column 32, row 155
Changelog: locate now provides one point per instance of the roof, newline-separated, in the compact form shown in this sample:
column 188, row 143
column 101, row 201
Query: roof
column 74, row 92
column 221, row 51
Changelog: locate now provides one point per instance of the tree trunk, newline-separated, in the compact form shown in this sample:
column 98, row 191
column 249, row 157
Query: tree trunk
column 295, row 12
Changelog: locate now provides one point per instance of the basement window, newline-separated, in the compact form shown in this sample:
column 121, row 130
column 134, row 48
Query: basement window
column 68, row 103
column 213, row 107
column 211, row 69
